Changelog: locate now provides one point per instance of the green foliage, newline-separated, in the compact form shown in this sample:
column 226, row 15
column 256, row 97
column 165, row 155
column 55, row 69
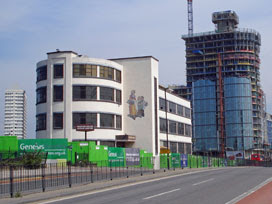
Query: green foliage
column 18, row 195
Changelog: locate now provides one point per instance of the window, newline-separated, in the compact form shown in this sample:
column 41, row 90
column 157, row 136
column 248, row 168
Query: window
column 119, row 122
column 106, row 94
column 188, row 148
column 180, row 110
column 118, row 97
column 58, row 71
column 172, row 107
column 58, row 93
column 84, row 93
column 84, row 118
column 180, row 129
column 118, row 76
column 162, row 104
column 187, row 113
column 107, row 143
column 106, row 72
column 162, row 125
column 41, row 95
column 106, row 120
column 188, row 130
column 41, row 122
column 58, row 120
column 173, row 147
column 181, row 148
column 172, row 127
column 84, row 70
column 42, row 73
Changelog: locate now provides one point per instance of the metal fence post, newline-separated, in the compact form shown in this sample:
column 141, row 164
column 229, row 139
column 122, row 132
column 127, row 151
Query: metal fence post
column 69, row 175
column 127, row 172
column 110, row 170
column 43, row 177
column 142, row 166
column 91, row 167
column 11, row 180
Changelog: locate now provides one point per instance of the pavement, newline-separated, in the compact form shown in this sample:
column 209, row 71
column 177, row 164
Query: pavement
column 192, row 186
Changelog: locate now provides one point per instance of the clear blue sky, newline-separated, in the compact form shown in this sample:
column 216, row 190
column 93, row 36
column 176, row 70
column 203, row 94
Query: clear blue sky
column 113, row 28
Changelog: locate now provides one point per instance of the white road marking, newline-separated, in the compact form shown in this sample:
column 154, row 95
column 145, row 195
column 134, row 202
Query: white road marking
column 123, row 186
column 245, row 194
column 161, row 194
column 195, row 184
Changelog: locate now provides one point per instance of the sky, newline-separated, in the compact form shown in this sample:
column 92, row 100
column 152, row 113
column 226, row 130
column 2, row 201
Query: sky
column 112, row 29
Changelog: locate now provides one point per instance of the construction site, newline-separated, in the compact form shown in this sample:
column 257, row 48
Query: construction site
column 223, row 84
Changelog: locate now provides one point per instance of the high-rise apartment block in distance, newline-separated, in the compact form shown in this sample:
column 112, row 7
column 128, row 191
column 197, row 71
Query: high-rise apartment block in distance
column 223, row 84
column 15, row 113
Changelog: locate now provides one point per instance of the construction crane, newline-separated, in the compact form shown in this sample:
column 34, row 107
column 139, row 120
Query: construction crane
column 190, row 17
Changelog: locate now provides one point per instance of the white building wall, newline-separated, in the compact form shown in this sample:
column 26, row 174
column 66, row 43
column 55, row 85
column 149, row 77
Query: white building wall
column 139, row 76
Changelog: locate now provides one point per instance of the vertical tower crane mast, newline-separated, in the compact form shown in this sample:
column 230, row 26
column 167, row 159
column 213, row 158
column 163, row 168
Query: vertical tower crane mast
column 190, row 17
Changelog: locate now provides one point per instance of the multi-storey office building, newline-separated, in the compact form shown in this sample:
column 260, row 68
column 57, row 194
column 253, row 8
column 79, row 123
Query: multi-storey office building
column 120, row 97
column 15, row 113
column 223, row 81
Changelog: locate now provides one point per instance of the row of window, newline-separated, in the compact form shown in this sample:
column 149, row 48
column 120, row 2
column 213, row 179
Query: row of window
column 178, row 147
column 106, row 120
column 81, row 93
column 174, row 108
column 175, row 128
column 81, row 71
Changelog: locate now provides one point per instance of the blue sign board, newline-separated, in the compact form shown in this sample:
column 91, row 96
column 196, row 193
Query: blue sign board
column 184, row 160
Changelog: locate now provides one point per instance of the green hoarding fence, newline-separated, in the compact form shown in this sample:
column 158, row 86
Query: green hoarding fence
column 146, row 159
column 175, row 160
column 8, row 144
column 56, row 148
column 116, row 157
column 98, row 155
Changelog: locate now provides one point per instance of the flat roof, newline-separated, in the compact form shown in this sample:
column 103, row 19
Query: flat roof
column 168, row 90
column 58, row 51
column 124, row 58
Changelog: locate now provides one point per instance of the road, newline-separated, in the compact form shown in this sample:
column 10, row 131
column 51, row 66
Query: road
column 209, row 187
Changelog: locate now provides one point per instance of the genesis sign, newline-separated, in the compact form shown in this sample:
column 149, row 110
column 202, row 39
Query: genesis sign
column 56, row 148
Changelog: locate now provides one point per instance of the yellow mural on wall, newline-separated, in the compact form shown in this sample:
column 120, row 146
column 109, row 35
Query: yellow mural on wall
column 136, row 105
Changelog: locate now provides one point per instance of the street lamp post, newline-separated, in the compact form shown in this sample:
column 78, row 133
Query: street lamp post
column 167, row 145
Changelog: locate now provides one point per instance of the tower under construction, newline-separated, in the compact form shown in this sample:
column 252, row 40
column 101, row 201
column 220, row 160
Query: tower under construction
column 223, row 84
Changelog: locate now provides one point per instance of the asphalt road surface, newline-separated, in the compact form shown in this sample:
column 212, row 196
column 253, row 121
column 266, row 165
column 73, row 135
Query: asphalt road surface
column 209, row 187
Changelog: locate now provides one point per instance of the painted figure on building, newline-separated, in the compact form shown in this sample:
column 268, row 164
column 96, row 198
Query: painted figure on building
column 141, row 104
column 132, row 105
column 136, row 107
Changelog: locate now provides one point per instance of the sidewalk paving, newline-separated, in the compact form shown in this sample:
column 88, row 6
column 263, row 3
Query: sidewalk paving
column 261, row 196
column 79, row 189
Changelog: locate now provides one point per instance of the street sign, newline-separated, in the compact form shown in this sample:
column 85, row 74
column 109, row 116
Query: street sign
column 85, row 127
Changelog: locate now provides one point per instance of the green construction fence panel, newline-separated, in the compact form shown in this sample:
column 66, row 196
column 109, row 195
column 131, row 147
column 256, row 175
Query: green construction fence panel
column 175, row 160
column 98, row 154
column 8, row 144
column 56, row 148
column 116, row 157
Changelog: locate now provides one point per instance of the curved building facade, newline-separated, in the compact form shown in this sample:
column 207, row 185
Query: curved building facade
column 73, row 90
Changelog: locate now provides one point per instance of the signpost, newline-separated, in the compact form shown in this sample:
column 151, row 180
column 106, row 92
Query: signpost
column 85, row 128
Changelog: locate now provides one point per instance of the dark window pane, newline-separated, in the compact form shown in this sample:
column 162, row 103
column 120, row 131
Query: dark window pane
column 180, row 128
column 187, row 113
column 58, row 71
column 84, row 70
column 118, row 76
column 58, row 93
column 118, row 122
column 106, row 120
column 118, row 97
column 42, row 73
column 172, row 107
column 41, row 122
column 84, row 93
column 58, row 120
column 188, row 148
column 107, row 143
column 172, row 127
column 173, row 147
column 106, row 72
column 188, row 130
column 181, row 148
column 180, row 110
column 84, row 118
column 162, row 125
column 106, row 94
column 41, row 95
column 162, row 104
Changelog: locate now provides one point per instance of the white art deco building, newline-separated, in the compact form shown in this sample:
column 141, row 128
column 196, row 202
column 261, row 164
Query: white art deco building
column 15, row 113
column 120, row 97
